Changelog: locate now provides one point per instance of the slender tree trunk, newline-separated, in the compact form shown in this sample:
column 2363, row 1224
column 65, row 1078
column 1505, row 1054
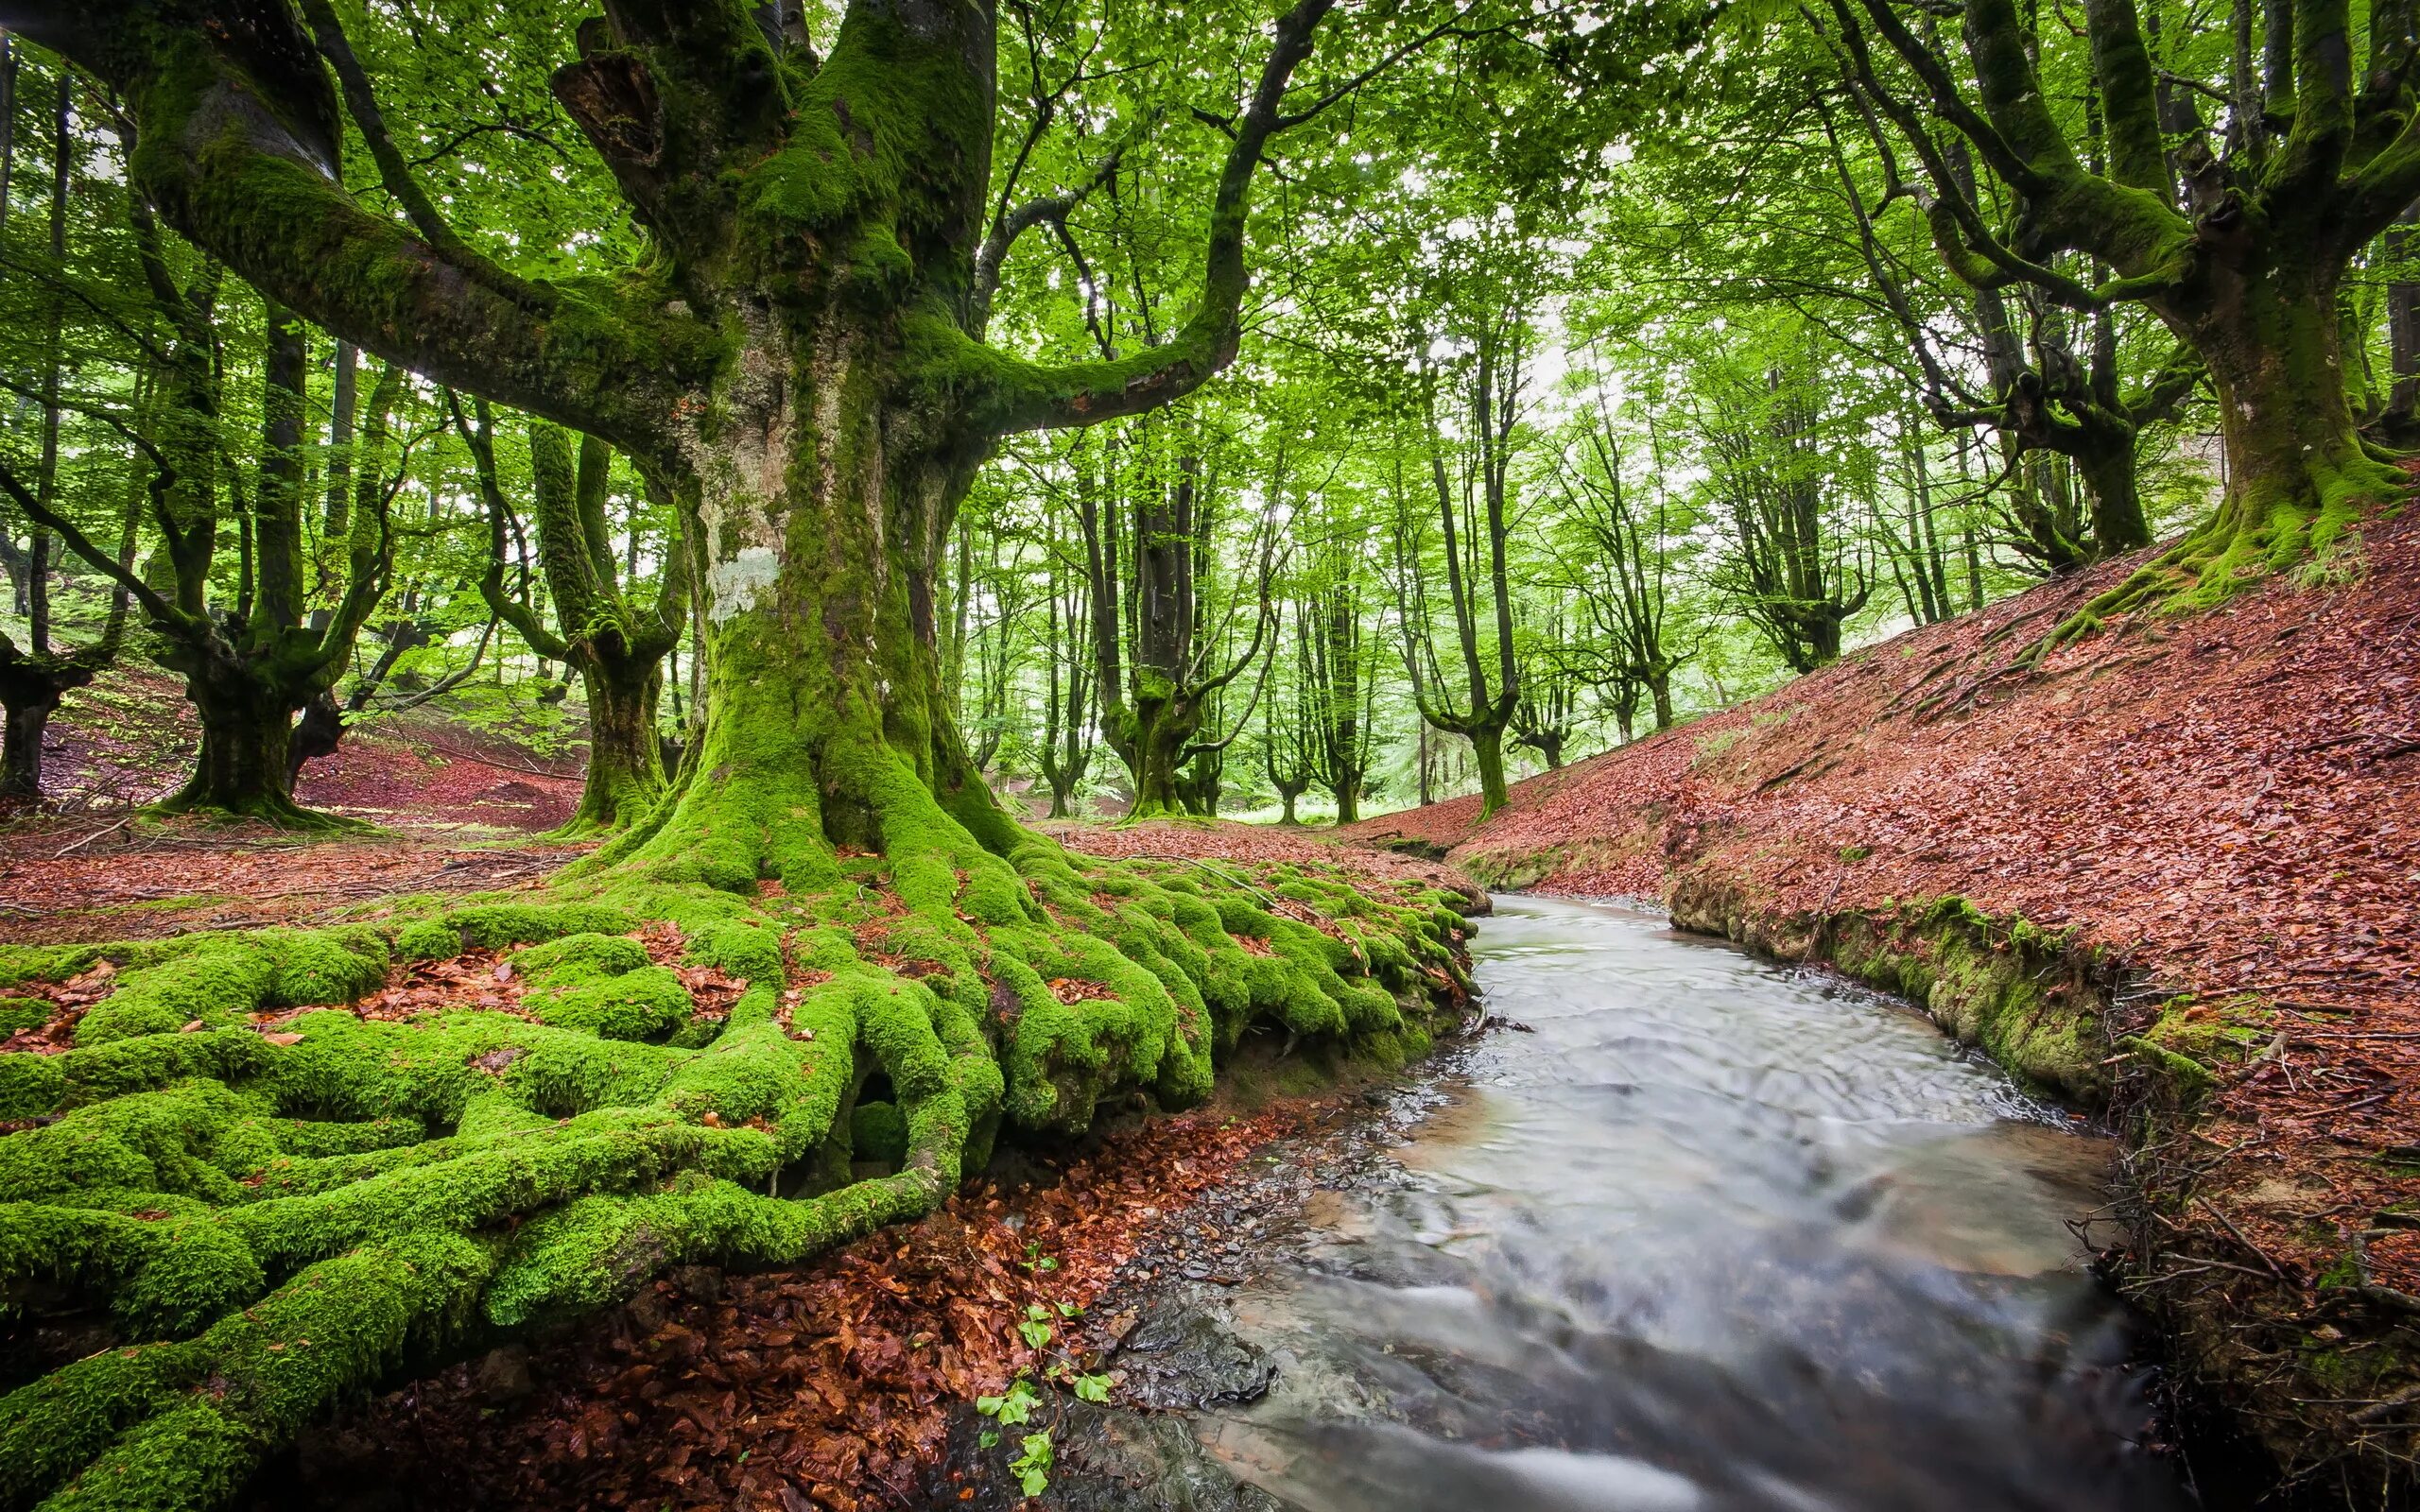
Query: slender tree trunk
column 1487, row 754
column 626, row 774
column 2403, row 330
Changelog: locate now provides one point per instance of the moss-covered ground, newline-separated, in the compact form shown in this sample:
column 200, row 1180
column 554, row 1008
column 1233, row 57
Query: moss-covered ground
column 231, row 1199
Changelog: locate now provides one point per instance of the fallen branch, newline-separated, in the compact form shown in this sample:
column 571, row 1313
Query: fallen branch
column 94, row 836
column 510, row 766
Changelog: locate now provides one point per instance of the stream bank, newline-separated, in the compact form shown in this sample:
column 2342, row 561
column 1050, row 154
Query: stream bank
column 2172, row 868
column 1688, row 1231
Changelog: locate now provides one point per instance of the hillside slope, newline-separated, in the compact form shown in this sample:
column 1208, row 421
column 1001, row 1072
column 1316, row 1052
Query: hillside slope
column 2174, row 872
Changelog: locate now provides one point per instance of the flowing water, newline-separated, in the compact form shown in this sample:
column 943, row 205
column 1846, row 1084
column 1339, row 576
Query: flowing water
column 1716, row 1235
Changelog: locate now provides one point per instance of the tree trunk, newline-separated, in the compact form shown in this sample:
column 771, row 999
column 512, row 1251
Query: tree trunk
column 2297, row 475
column 1487, row 754
column 21, row 749
column 243, row 766
column 2402, row 416
column 827, row 724
column 318, row 733
column 1348, row 799
column 2118, row 524
column 1155, row 756
column 625, row 760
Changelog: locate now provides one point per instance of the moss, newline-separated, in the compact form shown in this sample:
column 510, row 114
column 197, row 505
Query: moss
column 216, row 979
column 502, row 1168
column 878, row 1131
column 23, row 1013
column 44, row 963
column 30, row 1086
column 603, row 984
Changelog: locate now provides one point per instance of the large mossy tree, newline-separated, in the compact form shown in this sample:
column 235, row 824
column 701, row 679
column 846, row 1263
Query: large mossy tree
column 256, row 1211
column 2237, row 233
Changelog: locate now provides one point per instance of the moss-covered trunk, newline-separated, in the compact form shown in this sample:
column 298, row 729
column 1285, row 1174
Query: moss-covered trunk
column 243, row 766
column 2297, row 474
column 1152, row 742
column 820, row 522
column 1487, row 754
column 626, row 774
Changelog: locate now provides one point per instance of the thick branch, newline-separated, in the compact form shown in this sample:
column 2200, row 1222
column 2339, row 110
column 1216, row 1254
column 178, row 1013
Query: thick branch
column 1028, row 396
column 238, row 147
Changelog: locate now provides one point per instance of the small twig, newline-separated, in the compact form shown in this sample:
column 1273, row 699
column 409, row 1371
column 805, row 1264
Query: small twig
column 2240, row 1238
column 97, row 834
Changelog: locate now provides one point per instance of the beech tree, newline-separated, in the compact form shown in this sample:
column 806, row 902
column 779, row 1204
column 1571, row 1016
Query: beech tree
column 2237, row 234
column 611, row 631
column 799, row 357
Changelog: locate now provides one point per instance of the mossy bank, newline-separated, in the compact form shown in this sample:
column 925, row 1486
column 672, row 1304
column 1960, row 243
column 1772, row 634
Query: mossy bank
column 235, row 1199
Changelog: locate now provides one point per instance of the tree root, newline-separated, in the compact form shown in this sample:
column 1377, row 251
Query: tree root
column 2243, row 544
column 270, row 1208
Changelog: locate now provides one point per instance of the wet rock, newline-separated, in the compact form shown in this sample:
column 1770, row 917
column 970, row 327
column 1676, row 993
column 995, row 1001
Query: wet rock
column 502, row 1375
column 1187, row 1356
column 1104, row 1460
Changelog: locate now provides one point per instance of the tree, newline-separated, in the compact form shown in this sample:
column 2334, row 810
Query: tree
column 800, row 358
column 1068, row 670
column 1770, row 476
column 1154, row 705
column 1471, row 530
column 34, row 677
column 2237, row 241
column 606, row 628
column 1621, row 559
column 1336, row 665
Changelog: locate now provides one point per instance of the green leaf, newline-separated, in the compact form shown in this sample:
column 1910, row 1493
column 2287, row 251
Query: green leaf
column 1093, row 1388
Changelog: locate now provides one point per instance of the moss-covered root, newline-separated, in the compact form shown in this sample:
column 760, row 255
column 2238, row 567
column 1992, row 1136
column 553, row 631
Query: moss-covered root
column 171, row 1425
column 2313, row 535
column 267, row 1218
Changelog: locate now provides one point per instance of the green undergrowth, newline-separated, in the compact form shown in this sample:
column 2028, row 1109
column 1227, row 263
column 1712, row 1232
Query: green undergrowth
column 262, row 1208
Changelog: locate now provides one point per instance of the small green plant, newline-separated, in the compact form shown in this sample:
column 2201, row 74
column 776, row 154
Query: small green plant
column 1033, row 1468
column 1035, row 1330
column 1017, row 1406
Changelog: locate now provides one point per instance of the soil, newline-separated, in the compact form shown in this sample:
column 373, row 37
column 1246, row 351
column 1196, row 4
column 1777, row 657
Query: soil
column 2225, row 810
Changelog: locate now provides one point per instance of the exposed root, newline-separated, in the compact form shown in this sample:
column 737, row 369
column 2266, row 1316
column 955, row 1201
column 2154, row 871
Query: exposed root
column 2248, row 540
column 259, row 1208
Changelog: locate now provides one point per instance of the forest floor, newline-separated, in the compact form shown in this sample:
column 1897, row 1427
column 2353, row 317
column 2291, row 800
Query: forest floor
column 2224, row 806
column 458, row 810
column 833, row 1384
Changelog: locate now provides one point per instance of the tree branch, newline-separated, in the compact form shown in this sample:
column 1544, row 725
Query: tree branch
column 1029, row 396
column 361, row 102
column 237, row 146
column 82, row 545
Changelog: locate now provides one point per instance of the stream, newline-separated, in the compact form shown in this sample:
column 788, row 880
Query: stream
column 1713, row 1234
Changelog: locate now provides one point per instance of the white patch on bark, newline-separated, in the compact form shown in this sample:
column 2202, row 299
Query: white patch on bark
column 742, row 473
column 732, row 585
